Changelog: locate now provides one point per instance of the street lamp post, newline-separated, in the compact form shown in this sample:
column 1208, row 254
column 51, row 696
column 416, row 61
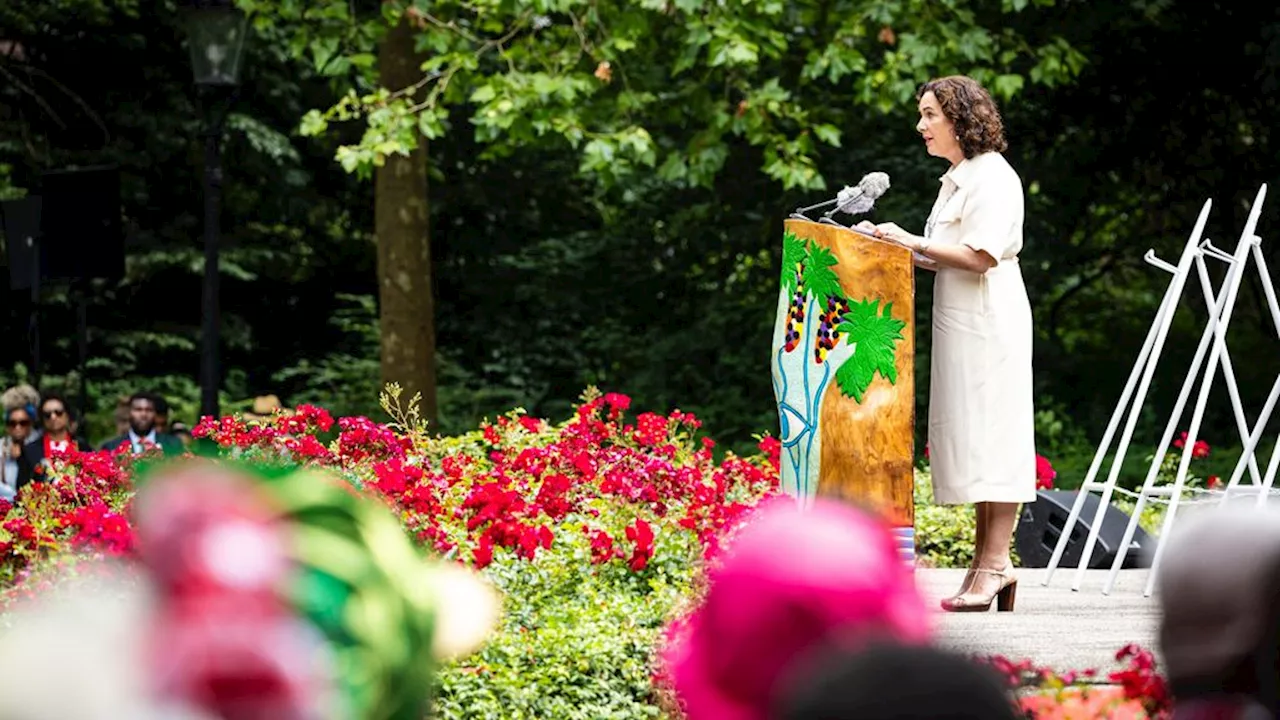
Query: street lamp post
column 216, row 32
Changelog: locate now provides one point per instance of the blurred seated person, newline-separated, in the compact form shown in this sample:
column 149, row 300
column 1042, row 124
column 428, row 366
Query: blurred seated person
column 265, row 407
column 779, row 592
column 1219, row 595
column 890, row 681
column 55, row 416
column 19, row 428
column 180, row 430
column 121, row 415
column 162, row 413
column 142, row 433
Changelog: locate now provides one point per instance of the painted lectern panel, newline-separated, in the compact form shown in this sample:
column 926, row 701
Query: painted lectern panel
column 843, row 368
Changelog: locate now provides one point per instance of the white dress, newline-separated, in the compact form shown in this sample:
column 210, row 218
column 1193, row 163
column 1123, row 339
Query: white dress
column 981, row 413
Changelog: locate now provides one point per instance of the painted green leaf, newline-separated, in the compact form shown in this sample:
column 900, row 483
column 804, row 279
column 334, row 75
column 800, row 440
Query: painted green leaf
column 793, row 253
column 874, row 336
column 818, row 275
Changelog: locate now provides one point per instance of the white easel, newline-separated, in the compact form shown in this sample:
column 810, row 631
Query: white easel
column 1194, row 253
column 1144, row 366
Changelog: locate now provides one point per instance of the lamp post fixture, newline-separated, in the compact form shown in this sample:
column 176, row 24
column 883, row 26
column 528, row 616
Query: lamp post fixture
column 216, row 32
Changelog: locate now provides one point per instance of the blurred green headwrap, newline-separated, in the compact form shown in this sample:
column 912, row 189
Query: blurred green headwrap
column 359, row 579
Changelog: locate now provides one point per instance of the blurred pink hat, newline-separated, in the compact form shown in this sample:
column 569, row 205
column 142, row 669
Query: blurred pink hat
column 790, row 580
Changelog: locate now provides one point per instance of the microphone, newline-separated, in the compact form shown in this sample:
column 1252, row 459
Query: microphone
column 851, row 200
column 857, row 200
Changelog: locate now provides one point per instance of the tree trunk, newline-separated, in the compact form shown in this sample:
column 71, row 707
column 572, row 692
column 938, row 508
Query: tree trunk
column 407, row 307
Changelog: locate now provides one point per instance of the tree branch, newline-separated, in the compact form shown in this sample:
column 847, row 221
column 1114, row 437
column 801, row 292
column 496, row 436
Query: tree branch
column 44, row 105
column 1107, row 264
column 97, row 119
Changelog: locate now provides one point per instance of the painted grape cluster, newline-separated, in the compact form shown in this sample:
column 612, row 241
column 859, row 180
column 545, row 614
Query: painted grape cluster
column 795, row 312
column 829, row 327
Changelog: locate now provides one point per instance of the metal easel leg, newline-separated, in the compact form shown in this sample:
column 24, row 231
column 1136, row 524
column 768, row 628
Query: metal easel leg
column 1175, row 416
column 1189, row 252
column 1247, row 240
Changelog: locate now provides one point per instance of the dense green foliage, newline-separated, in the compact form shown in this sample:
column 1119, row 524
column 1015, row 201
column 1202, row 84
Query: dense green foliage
column 660, row 281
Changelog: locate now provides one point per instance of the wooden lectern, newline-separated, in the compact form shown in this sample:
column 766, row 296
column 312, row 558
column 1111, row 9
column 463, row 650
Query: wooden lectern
column 843, row 371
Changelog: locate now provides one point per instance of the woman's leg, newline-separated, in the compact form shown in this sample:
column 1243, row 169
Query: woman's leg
column 988, row 577
column 979, row 537
column 993, row 554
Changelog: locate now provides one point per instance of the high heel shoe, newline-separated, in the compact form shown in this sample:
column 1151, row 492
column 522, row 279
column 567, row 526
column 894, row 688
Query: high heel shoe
column 964, row 584
column 1003, row 596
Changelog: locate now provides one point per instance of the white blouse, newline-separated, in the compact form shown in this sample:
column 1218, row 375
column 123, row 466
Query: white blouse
column 980, row 205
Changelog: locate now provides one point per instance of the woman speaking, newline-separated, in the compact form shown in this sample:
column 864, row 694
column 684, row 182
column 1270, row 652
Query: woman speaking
column 981, row 417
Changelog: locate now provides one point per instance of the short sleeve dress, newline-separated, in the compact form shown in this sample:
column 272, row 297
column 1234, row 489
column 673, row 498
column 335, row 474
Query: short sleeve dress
column 981, row 413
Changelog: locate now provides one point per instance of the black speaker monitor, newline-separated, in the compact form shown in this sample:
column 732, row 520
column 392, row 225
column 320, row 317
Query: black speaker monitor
column 21, row 235
column 1043, row 521
column 83, row 233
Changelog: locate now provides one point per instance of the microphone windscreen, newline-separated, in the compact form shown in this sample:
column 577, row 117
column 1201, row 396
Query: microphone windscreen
column 874, row 184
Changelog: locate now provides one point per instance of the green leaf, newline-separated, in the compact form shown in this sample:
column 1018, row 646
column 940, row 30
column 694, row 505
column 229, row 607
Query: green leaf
column 313, row 123
column 793, row 254
column 818, row 275
column 322, row 51
column 874, row 336
column 1006, row 86
column 828, row 134
column 430, row 123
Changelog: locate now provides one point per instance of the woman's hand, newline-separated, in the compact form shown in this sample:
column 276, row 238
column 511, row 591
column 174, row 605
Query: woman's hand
column 891, row 232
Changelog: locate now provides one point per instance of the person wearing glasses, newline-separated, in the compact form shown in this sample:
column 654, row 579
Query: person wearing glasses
column 55, row 416
column 18, row 423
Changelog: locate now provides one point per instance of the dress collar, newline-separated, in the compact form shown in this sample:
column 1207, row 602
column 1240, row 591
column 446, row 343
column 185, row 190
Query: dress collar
column 964, row 172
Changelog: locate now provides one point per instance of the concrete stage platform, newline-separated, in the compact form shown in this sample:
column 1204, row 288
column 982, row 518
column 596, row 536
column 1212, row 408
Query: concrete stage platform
column 1053, row 626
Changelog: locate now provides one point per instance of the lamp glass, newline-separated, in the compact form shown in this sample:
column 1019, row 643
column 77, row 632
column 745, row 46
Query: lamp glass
column 216, row 35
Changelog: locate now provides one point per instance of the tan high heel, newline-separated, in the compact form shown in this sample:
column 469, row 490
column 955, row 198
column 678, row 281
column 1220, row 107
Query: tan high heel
column 968, row 580
column 1004, row 595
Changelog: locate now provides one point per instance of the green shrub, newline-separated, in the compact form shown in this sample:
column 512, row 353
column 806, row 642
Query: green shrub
column 944, row 533
column 574, row 644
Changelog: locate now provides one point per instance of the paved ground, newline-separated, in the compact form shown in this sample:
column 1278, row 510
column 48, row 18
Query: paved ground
column 1052, row 625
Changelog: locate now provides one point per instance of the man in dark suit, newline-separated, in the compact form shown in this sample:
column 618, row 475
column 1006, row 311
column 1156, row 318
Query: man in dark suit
column 142, row 433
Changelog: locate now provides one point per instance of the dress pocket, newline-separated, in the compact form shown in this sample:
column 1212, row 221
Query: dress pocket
column 943, row 218
column 952, row 211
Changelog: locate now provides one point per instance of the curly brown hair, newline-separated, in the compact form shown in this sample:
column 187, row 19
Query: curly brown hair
column 970, row 108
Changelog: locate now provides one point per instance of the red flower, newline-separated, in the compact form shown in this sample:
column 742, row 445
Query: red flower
column 1045, row 474
column 772, row 449
column 1199, row 450
column 1141, row 681
column 601, row 545
column 641, row 534
column 617, row 403
column 482, row 555
column 491, row 435
column 651, row 429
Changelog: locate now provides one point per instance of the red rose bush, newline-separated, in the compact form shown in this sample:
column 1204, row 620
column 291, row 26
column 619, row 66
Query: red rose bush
column 592, row 529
